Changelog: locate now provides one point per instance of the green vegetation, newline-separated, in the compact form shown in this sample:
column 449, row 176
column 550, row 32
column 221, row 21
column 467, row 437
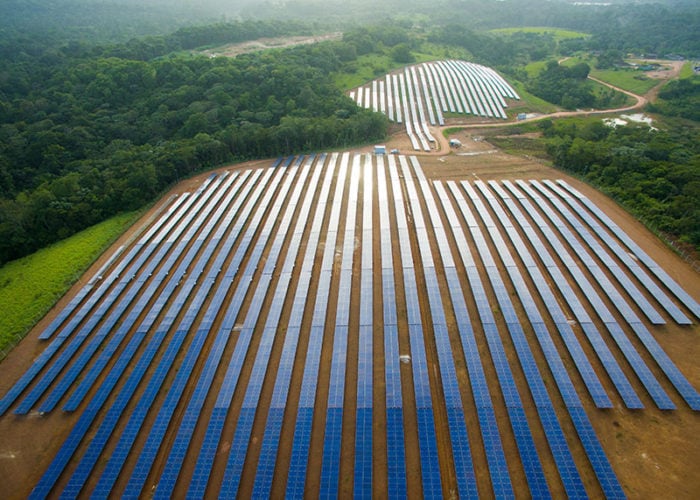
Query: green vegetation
column 655, row 174
column 30, row 286
column 679, row 98
column 558, row 34
column 520, row 146
column 563, row 85
column 364, row 69
column 534, row 68
column 687, row 70
column 631, row 80
column 85, row 134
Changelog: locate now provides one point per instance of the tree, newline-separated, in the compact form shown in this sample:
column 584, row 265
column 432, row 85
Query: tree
column 401, row 53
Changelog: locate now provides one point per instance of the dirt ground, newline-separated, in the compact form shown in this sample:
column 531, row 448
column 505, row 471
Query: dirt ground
column 236, row 49
column 654, row 453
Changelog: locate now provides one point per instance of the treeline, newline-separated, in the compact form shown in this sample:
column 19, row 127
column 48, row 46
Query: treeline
column 565, row 86
column 85, row 137
column 569, row 87
column 630, row 27
column 679, row 98
column 655, row 174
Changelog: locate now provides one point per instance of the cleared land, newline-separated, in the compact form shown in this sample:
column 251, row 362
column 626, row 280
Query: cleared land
column 328, row 228
column 236, row 49
column 558, row 34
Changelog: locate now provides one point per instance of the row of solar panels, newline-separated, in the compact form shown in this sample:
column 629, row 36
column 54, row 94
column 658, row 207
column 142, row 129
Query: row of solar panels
column 234, row 246
column 420, row 95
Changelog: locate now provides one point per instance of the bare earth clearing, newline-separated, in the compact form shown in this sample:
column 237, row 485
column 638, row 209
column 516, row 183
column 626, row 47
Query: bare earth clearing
column 236, row 49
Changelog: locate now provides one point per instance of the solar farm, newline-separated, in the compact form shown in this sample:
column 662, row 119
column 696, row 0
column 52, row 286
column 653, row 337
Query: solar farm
column 351, row 324
column 420, row 95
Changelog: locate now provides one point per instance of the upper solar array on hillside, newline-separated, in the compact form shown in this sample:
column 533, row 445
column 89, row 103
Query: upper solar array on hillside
column 421, row 94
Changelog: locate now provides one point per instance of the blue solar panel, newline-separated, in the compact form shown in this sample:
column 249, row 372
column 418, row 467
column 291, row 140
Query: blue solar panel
column 430, row 470
column 114, row 465
column 551, row 427
column 192, row 413
column 685, row 389
column 336, row 395
column 231, row 378
column 604, row 472
column 613, row 245
column 670, row 284
column 585, row 369
column 651, row 384
column 615, row 270
column 136, row 311
column 302, row 432
column 97, row 315
column 234, row 465
column 456, row 420
column 599, row 345
column 396, row 455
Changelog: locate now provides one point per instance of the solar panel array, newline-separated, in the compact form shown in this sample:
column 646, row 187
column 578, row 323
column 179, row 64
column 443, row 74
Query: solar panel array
column 239, row 345
column 420, row 96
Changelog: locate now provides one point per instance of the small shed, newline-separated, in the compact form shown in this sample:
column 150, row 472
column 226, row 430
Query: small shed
column 455, row 143
column 379, row 150
column 522, row 116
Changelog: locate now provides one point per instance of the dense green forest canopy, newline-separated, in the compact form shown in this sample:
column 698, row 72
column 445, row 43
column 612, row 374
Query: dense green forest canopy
column 659, row 26
column 655, row 174
column 88, row 133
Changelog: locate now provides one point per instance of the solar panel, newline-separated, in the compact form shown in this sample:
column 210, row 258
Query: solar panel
column 333, row 430
column 598, row 250
column 456, row 420
column 118, row 336
column 302, row 431
column 175, row 210
column 119, row 455
column 622, row 341
column 672, row 286
column 612, row 244
column 575, row 350
column 651, row 384
column 206, row 456
column 430, row 469
column 155, row 437
column 539, row 393
column 251, row 400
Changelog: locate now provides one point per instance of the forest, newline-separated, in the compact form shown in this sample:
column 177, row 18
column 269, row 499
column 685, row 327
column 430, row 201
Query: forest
column 655, row 174
column 85, row 136
column 95, row 123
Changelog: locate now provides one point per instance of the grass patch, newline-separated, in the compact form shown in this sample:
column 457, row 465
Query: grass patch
column 534, row 68
column 30, row 286
column 686, row 71
column 558, row 34
column 520, row 146
column 364, row 69
column 528, row 102
column 434, row 52
column 452, row 130
column 630, row 80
